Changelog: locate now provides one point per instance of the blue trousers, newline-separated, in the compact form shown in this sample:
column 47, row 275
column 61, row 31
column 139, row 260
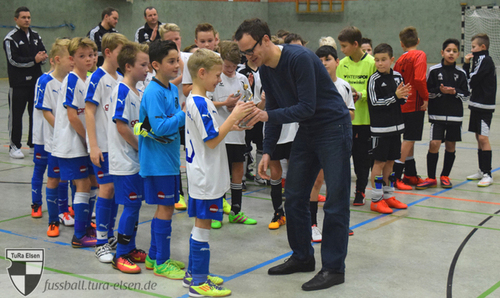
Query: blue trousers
column 327, row 147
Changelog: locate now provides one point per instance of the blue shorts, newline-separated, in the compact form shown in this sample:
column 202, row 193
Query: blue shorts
column 40, row 156
column 161, row 190
column 102, row 173
column 205, row 209
column 129, row 190
column 75, row 168
column 53, row 167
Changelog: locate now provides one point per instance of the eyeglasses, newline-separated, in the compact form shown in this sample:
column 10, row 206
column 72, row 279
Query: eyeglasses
column 250, row 52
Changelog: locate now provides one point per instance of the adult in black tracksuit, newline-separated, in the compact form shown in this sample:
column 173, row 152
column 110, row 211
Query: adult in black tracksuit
column 448, row 89
column 25, row 53
column 386, row 126
column 483, row 85
column 109, row 19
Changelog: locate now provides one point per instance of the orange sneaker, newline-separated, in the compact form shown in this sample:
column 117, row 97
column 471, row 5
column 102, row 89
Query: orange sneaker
column 125, row 265
column 400, row 185
column 427, row 183
column 321, row 198
column 393, row 203
column 36, row 211
column 71, row 211
column 138, row 255
column 53, row 230
column 380, row 207
column 412, row 180
column 445, row 182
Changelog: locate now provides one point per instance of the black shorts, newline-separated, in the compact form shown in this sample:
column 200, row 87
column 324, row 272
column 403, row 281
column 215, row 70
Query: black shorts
column 414, row 125
column 445, row 131
column 255, row 135
column 480, row 122
column 235, row 153
column 282, row 151
column 386, row 148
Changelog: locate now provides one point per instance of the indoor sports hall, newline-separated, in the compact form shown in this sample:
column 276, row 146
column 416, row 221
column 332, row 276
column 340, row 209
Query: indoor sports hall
column 446, row 244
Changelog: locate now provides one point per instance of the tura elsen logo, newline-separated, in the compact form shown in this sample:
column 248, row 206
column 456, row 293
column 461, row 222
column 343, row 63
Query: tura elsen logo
column 26, row 268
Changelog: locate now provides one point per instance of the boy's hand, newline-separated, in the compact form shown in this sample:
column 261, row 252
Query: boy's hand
column 447, row 90
column 96, row 156
column 355, row 94
column 232, row 100
column 424, row 106
column 403, row 91
column 468, row 57
column 241, row 109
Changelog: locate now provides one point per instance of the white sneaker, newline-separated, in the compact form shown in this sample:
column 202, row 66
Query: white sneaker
column 113, row 242
column 103, row 253
column 316, row 234
column 66, row 219
column 16, row 153
column 93, row 215
column 476, row 176
column 485, row 181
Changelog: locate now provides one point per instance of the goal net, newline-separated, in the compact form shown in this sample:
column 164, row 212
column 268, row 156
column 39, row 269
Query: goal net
column 482, row 19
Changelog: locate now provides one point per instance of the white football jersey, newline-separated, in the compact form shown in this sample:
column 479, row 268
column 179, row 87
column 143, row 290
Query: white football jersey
column 141, row 85
column 226, row 87
column 125, row 107
column 186, row 76
column 288, row 132
column 100, row 86
column 67, row 143
column 346, row 92
column 207, row 169
column 52, row 90
column 37, row 128
column 185, row 57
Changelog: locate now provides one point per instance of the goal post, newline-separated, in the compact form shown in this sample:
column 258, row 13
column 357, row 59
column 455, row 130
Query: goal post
column 481, row 19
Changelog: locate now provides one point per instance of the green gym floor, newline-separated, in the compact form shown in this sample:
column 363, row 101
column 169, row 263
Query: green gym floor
column 446, row 244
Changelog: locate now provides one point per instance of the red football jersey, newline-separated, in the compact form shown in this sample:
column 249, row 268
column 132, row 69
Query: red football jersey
column 412, row 65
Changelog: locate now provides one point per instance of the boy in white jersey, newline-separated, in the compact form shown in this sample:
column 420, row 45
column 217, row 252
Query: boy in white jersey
column 232, row 83
column 123, row 154
column 56, row 192
column 97, row 103
column 69, row 139
column 328, row 55
column 207, row 167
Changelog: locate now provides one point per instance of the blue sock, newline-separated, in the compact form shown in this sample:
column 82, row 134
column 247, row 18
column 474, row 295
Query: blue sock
column 126, row 229
column 190, row 259
column 103, row 211
column 73, row 191
column 152, row 244
column 200, row 256
column 163, row 231
column 63, row 197
column 36, row 183
column 93, row 197
column 132, row 242
column 112, row 218
column 51, row 197
column 81, row 208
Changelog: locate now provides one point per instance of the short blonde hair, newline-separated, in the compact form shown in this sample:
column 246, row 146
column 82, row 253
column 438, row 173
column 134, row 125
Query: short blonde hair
column 327, row 41
column 128, row 53
column 112, row 40
column 202, row 58
column 229, row 51
column 80, row 42
column 59, row 48
column 168, row 27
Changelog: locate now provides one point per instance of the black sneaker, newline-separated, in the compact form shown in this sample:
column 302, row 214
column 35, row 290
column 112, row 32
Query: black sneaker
column 359, row 198
column 243, row 186
column 250, row 176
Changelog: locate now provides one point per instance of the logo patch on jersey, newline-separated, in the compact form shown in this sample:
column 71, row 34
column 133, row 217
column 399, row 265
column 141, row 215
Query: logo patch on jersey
column 440, row 76
column 132, row 196
column 83, row 169
column 35, row 41
column 56, row 169
column 71, row 90
column 93, row 84
column 161, row 195
column 108, row 85
column 221, row 84
column 106, row 107
column 455, row 76
column 21, row 43
column 56, row 91
column 133, row 104
column 214, row 208
column 38, row 156
column 383, row 84
column 100, row 174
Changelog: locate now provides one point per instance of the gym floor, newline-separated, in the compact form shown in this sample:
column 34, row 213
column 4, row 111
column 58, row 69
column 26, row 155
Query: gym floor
column 443, row 244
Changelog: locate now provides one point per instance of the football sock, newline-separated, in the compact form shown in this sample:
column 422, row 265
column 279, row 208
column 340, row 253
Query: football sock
column 486, row 162
column 432, row 159
column 199, row 254
column 103, row 212
column 126, row 228
column 63, row 197
column 81, row 208
column 36, row 183
column 313, row 207
column 378, row 192
column 181, row 192
column 152, row 243
column 410, row 166
column 398, row 169
column 51, row 197
column 276, row 197
column 93, row 197
column 112, row 218
column 236, row 193
column 449, row 159
column 163, row 232
column 480, row 158
column 388, row 191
